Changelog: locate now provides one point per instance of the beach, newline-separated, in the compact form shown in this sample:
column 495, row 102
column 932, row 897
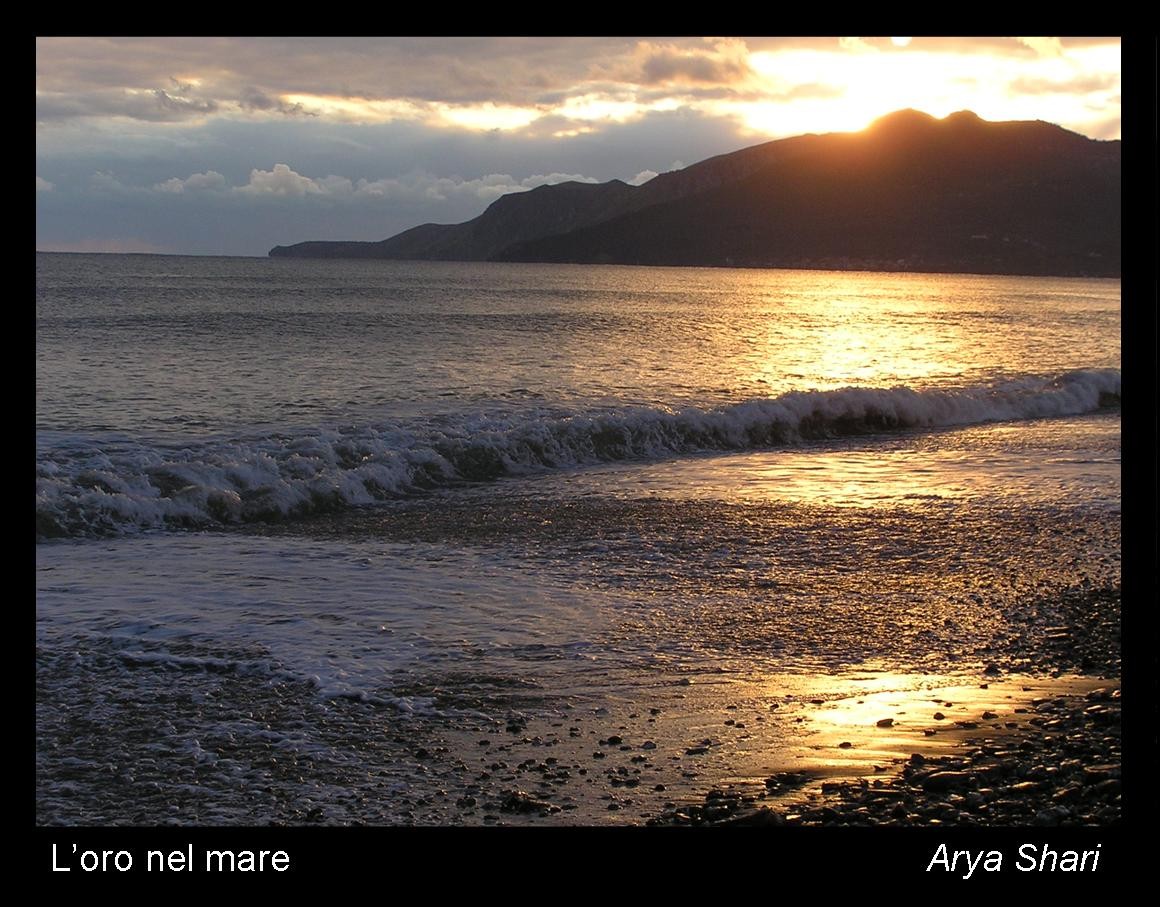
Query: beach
column 436, row 544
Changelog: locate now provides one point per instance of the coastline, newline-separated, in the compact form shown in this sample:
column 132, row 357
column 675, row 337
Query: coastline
column 867, row 747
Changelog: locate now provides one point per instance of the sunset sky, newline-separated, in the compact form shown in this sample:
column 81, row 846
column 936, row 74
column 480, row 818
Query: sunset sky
column 233, row 145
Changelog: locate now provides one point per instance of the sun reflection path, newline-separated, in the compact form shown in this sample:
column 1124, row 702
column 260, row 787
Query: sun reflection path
column 861, row 328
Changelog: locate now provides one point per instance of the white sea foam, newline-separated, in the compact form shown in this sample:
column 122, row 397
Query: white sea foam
column 353, row 621
column 84, row 488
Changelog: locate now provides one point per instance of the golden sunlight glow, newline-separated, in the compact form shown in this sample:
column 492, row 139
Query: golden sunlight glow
column 856, row 88
column 361, row 110
column 486, row 117
column 802, row 90
column 572, row 133
column 593, row 107
column 763, row 88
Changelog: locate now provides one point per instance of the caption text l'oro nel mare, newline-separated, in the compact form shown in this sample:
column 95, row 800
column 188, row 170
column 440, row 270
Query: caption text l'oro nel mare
column 171, row 861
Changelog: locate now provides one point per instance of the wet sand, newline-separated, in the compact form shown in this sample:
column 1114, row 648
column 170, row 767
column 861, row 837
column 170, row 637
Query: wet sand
column 1033, row 738
column 729, row 749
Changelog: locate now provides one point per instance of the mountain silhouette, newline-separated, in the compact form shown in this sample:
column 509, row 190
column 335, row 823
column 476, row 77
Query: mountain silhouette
column 910, row 192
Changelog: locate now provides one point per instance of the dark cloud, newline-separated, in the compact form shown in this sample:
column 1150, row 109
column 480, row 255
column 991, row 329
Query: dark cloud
column 449, row 70
column 672, row 65
column 183, row 106
column 252, row 98
column 155, row 105
column 252, row 73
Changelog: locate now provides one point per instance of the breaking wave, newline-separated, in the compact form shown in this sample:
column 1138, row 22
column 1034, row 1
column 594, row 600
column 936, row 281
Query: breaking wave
column 86, row 488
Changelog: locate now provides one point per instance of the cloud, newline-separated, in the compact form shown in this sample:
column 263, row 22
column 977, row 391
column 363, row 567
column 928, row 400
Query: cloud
column 43, row 185
column 857, row 45
column 252, row 98
column 159, row 78
column 280, row 181
column 1079, row 85
column 284, row 182
column 441, row 189
column 210, row 180
column 179, row 129
column 725, row 63
column 181, row 104
column 103, row 181
column 151, row 105
column 645, row 175
column 1044, row 47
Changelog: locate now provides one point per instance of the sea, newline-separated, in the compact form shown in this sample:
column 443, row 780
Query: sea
column 392, row 543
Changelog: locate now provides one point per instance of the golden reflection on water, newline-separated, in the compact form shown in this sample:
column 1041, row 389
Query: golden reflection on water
column 851, row 723
column 949, row 465
column 855, row 328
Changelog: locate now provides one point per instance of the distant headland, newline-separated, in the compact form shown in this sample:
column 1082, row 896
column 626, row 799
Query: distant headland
column 908, row 193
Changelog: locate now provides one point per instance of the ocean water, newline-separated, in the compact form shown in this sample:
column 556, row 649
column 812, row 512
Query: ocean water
column 316, row 540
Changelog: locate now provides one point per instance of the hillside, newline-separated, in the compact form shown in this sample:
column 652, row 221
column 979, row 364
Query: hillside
column 908, row 193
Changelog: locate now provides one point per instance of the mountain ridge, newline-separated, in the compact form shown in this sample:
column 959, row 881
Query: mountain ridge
column 909, row 192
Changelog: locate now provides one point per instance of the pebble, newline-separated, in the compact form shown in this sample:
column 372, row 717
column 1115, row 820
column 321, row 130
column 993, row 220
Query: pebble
column 938, row 781
column 518, row 801
column 1024, row 782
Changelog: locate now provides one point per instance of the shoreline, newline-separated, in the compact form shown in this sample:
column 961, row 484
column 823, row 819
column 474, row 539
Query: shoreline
column 1031, row 738
column 996, row 773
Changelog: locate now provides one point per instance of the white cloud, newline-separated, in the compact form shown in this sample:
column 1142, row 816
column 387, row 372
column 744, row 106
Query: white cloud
column 43, row 185
column 283, row 181
column 430, row 188
column 335, row 186
column 494, row 185
column 280, row 181
column 209, row 180
column 553, row 178
column 103, row 181
column 645, row 175
column 857, row 45
column 1045, row 47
